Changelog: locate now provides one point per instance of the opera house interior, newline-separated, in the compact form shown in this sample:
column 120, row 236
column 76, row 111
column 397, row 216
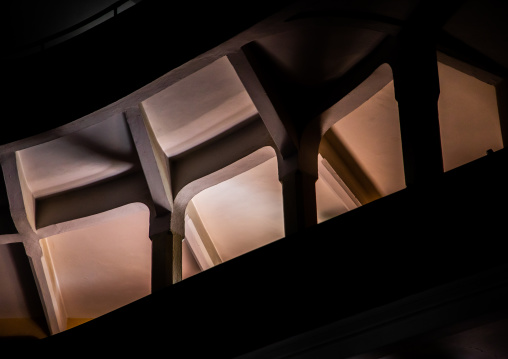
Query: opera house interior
column 271, row 179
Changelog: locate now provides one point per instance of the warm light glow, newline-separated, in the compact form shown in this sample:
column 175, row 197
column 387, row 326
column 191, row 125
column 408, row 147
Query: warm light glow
column 99, row 268
column 244, row 212
column 468, row 117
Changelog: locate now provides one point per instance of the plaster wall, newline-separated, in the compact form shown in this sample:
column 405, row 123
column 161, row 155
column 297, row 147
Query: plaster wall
column 371, row 133
column 246, row 212
column 329, row 204
column 100, row 151
column 103, row 267
column 189, row 265
column 198, row 108
column 468, row 117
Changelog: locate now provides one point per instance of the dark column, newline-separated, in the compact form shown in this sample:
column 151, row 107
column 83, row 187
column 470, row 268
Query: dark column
column 166, row 259
column 299, row 201
column 416, row 84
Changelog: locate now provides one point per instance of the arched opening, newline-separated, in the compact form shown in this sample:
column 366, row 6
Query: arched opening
column 360, row 155
column 234, row 216
column 100, row 266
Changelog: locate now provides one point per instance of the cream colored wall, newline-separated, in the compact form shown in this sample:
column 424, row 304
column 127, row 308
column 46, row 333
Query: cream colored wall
column 102, row 267
column 469, row 118
column 198, row 108
column 245, row 212
column 371, row 133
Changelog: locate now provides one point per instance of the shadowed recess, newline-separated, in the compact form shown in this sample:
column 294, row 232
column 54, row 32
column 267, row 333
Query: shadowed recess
column 6, row 222
column 28, row 291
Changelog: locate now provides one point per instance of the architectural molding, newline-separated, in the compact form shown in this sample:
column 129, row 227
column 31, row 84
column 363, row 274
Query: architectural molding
column 283, row 136
column 157, row 183
column 190, row 190
column 21, row 201
column 49, row 292
column 201, row 241
column 197, row 245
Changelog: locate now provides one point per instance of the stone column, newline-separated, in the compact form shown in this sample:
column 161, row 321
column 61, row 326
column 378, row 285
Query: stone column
column 49, row 294
column 299, row 200
column 416, row 84
column 166, row 259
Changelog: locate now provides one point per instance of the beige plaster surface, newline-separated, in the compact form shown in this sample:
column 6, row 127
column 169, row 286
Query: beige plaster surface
column 328, row 203
column 189, row 265
column 198, row 108
column 468, row 117
column 372, row 135
column 103, row 267
column 246, row 211
column 98, row 152
column 105, row 264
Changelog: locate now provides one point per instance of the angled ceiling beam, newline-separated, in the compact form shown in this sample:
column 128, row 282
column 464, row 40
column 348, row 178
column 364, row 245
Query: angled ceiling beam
column 251, row 74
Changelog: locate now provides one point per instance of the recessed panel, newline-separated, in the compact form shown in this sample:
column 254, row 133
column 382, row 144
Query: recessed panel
column 189, row 265
column 198, row 108
column 468, row 117
column 96, row 153
column 371, row 134
column 244, row 212
column 102, row 267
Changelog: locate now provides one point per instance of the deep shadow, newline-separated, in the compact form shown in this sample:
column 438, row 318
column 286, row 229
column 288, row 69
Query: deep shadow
column 28, row 286
column 379, row 253
column 6, row 223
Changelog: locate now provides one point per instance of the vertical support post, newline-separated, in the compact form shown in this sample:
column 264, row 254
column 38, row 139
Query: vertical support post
column 166, row 259
column 54, row 309
column 416, row 82
column 299, row 201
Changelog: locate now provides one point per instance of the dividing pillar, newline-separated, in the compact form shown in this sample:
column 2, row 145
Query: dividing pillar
column 166, row 259
column 299, row 199
column 49, row 293
column 416, row 82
